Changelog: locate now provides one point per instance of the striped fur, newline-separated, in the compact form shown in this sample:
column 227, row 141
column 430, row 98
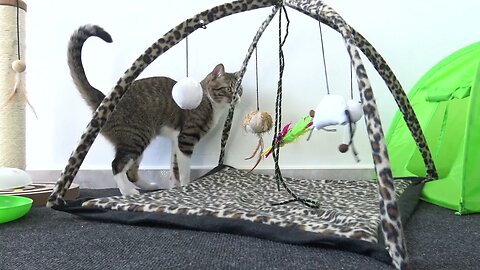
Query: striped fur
column 148, row 110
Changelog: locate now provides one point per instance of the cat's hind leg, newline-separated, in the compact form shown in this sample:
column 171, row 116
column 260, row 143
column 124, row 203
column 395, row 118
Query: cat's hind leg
column 184, row 162
column 120, row 168
column 125, row 158
column 138, row 181
column 183, row 154
column 174, row 173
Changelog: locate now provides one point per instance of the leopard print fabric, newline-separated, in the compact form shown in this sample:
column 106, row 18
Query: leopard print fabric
column 349, row 208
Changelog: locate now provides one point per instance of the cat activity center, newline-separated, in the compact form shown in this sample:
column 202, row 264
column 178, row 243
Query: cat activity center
column 363, row 216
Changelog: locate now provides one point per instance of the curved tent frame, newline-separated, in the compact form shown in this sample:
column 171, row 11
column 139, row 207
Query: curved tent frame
column 390, row 219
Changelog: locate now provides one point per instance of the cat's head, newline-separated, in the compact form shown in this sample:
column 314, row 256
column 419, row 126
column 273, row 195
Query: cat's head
column 220, row 85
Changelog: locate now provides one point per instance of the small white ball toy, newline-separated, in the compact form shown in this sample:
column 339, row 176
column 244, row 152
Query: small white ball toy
column 187, row 93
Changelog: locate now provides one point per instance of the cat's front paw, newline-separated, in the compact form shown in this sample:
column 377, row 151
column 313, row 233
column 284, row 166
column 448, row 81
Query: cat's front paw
column 184, row 182
column 124, row 185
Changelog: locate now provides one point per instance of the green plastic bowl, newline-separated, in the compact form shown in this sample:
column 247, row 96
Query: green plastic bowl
column 13, row 207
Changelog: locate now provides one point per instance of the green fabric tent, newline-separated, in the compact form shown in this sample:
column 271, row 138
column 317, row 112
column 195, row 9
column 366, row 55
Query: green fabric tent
column 446, row 101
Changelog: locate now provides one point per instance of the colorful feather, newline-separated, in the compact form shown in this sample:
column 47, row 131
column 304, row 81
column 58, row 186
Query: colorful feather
column 290, row 134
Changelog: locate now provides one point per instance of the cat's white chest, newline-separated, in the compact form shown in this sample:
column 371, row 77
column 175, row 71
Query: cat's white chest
column 219, row 110
column 169, row 132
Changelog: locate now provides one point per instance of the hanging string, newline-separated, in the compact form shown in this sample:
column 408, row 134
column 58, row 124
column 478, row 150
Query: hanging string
column 278, row 119
column 186, row 55
column 323, row 55
column 351, row 126
column 278, row 102
column 351, row 79
column 203, row 26
column 256, row 77
column 18, row 31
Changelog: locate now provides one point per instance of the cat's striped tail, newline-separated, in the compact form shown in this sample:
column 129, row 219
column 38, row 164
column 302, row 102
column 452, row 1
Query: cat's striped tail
column 92, row 96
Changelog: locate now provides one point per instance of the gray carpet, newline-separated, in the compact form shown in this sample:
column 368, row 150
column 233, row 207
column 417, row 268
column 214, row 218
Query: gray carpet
column 48, row 239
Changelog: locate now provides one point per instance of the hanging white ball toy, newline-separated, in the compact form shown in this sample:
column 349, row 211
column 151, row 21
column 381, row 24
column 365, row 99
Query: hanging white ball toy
column 187, row 93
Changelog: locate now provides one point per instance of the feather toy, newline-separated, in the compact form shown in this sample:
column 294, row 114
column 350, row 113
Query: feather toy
column 290, row 133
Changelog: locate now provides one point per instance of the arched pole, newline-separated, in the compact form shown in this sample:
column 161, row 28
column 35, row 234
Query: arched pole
column 390, row 215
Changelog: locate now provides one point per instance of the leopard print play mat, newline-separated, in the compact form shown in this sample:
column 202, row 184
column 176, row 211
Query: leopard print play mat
column 349, row 208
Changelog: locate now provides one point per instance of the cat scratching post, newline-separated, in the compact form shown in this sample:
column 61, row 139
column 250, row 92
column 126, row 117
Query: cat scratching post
column 13, row 100
column 12, row 83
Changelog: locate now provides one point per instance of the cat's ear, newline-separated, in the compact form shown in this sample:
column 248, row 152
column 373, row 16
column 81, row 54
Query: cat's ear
column 218, row 71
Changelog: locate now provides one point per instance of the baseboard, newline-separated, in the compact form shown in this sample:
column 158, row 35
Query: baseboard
column 98, row 179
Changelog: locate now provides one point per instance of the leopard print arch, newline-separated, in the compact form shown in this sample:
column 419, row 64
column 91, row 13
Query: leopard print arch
column 389, row 214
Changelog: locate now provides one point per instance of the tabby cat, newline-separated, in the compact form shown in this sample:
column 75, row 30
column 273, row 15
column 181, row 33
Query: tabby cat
column 148, row 110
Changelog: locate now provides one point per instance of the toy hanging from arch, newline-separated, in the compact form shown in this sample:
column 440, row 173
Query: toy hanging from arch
column 257, row 122
column 187, row 92
column 332, row 110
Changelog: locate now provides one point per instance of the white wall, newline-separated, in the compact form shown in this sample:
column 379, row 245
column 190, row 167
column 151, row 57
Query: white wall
column 411, row 35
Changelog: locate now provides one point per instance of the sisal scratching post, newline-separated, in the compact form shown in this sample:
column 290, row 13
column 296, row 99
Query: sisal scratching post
column 12, row 83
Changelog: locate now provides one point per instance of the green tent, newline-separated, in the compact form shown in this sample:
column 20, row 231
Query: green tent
column 446, row 101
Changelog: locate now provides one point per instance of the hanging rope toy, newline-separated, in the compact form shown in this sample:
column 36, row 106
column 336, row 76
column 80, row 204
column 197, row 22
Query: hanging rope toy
column 335, row 110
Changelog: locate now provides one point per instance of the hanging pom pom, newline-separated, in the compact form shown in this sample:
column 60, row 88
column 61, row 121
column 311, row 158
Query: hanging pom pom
column 187, row 93
column 258, row 122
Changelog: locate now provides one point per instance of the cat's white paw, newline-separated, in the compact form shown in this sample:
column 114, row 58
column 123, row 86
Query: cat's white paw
column 124, row 185
column 184, row 182
column 172, row 181
column 129, row 191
